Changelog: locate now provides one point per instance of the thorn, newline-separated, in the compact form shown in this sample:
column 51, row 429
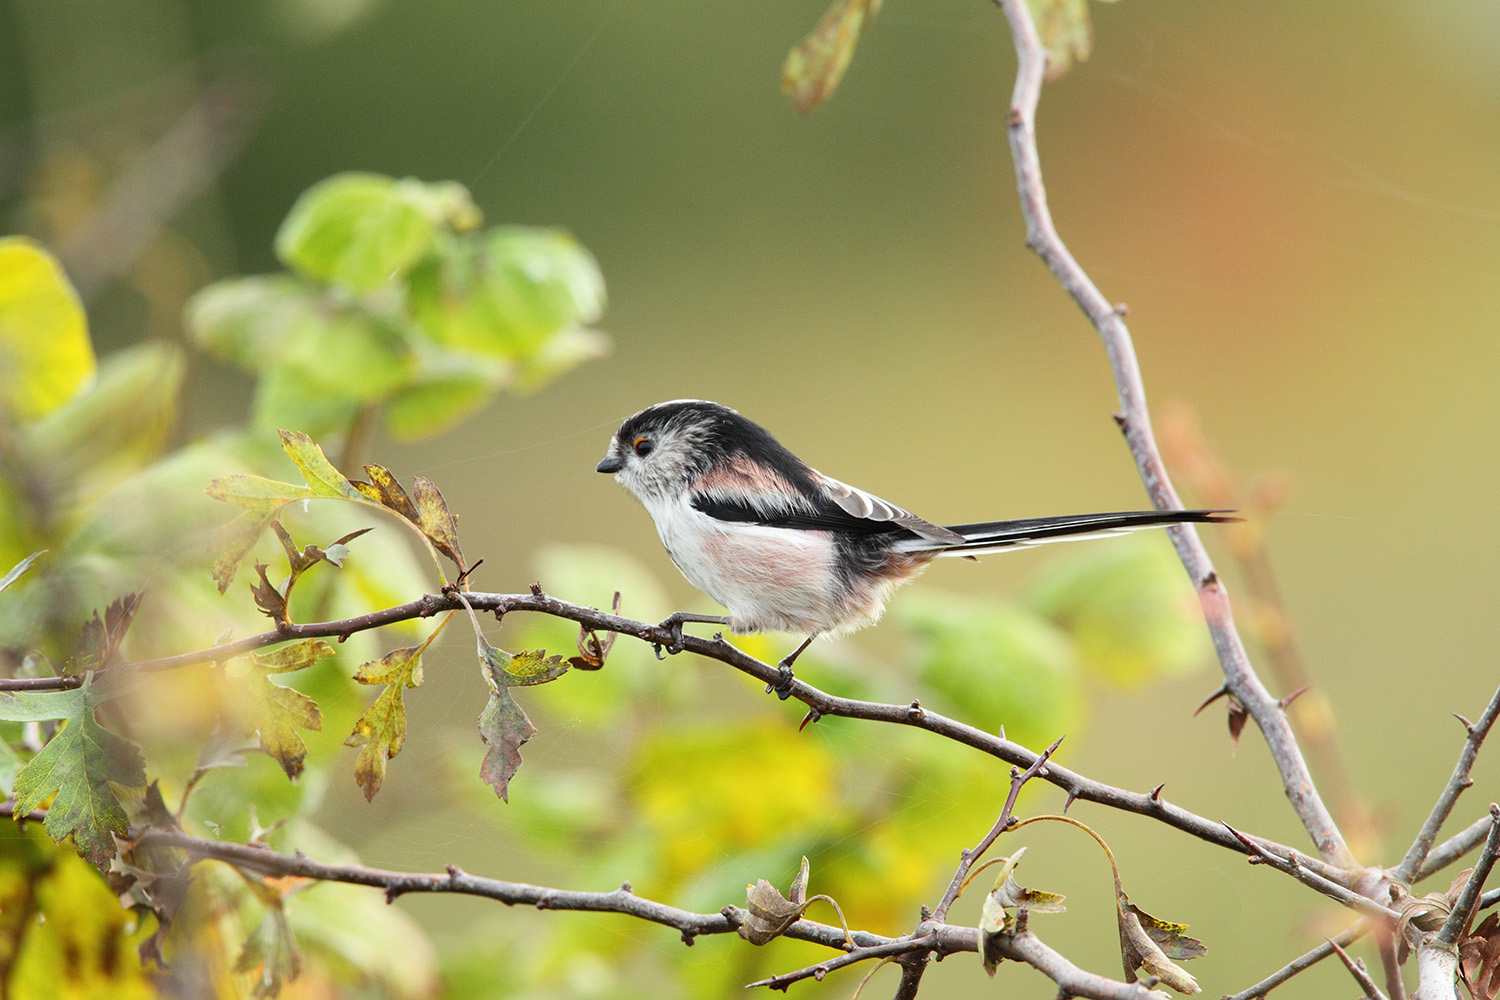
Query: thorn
column 1072, row 797
column 813, row 715
column 1284, row 702
column 1467, row 724
column 1210, row 579
column 1156, row 793
column 1223, row 690
column 1122, row 422
column 454, row 871
column 390, row 894
column 1002, row 732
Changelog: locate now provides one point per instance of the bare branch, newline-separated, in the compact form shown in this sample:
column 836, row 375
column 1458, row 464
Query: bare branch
column 966, row 861
column 1332, row 890
column 1361, row 975
column 1460, row 780
column 1307, row 961
column 1135, row 421
column 1447, row 935
column 1453, row 848
column 899, row 946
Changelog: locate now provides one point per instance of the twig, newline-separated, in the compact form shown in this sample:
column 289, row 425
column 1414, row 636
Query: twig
column 1303, row 962
column 1360, row 973
column 1459, row 781
column 1135, row 421
column 1453, row 848
column 911, row 977
column 1447, row 935
column 1366, row 906
column 39, row 683
column 898, row 946
column 966, row 861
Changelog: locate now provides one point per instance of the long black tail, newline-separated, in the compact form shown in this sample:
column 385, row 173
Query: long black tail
column 992, row 536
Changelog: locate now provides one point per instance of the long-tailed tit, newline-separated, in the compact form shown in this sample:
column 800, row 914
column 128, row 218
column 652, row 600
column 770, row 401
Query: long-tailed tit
column 783, row 546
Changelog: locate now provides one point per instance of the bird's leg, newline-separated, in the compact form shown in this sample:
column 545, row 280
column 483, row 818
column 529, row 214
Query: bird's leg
column 673, row 624
column 784, row 675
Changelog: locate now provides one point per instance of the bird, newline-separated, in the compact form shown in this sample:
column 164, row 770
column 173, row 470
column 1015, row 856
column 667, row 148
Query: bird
column 784, row 547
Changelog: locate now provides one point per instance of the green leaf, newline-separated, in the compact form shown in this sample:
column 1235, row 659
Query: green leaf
column 1129, row 608
column 322, row 478
column 813, row 69
column 431, row 407
column 77, row 765
column 18, row 569
column 120, row 424
column 270, row 952
column 247, row 321
column 507, row 293
column 995, row 663
column 363, row 230
column 381, row 731
column 46, row 357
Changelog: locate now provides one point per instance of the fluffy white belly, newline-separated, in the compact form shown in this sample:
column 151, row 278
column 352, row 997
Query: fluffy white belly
column 769, row 578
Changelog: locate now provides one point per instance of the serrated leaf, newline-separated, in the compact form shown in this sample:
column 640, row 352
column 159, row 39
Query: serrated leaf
column 18, row 569
column 813, row 69
column 504, row 728
column 435, row 520
column 76, row 765
column 1149, row 944
column 270, row 952
column 293, row 656
column 322, row 478
column 277, row 712
column 363, row 230
column 46, row 357
column 381, row 731
column 384, row 489
column 100, row 639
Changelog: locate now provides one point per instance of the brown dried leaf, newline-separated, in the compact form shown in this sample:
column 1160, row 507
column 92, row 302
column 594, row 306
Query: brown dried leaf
column 996, row 918
column 1238, row 716
column 385, row 490
column 268, row 596
column 1479, row 959
column 769, row 913
column 1149, row 944
column 100, row 639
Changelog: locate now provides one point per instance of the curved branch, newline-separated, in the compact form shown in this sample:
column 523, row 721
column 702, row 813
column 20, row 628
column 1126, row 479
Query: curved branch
column 1135, row 421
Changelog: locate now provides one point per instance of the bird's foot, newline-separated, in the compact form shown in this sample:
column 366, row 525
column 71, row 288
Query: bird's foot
column 782, row 687
column 672, row 625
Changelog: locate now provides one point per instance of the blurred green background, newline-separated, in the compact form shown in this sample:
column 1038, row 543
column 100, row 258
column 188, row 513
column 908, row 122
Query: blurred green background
column 1299, row 203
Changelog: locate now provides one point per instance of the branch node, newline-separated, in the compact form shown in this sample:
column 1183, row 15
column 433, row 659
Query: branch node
column 536, row 590
column 688, row 936
column 626, row 889
column 914, row 710
column 1122, row 309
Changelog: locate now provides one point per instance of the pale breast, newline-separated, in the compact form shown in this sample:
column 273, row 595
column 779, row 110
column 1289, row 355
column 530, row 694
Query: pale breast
column 769, row 578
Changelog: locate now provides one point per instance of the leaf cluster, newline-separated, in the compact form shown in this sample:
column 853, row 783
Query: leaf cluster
column 397, row 303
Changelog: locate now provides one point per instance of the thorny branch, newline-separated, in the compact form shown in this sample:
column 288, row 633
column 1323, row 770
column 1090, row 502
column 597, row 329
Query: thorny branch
column 930, row 937
column 1460, row 780
column 1135, row 421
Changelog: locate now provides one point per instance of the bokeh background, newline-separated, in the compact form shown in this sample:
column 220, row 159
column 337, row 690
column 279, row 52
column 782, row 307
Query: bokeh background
column 1299, row 203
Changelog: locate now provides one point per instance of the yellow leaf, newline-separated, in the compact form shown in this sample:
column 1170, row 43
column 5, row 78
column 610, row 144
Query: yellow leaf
column 45, row 354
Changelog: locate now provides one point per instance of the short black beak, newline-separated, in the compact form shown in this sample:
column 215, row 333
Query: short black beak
column 609, row 463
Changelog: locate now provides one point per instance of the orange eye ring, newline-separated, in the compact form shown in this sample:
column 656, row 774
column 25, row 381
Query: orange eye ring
column 642, row 446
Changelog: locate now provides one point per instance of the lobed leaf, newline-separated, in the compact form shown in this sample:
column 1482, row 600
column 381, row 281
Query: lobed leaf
column 77, row 766
column 1149, row 944
column 381, row 731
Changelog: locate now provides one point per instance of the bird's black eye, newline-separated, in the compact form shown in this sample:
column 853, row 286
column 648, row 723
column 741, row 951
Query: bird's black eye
column 643, row 446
